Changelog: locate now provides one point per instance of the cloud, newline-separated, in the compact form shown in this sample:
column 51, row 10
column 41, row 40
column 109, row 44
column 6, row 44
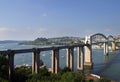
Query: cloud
column 108, row 30
column 39, row 30
column 31, row 30
column 89, row 31
column 20, row 33
column 2, row 29
column 44, row 14
column 5, row 30
column 105, row 31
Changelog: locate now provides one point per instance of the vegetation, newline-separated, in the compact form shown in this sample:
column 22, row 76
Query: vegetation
column 23, row 74
column 104, row 80
column 64, row 76
column 3, row 68
column 54, row 41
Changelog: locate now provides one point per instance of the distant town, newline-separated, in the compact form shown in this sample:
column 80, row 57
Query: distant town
column 55, row 41
column 60, row 41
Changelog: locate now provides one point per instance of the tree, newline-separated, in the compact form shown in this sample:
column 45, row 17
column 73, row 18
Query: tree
column 64, row 70
column 3, row 67
column 72, row 77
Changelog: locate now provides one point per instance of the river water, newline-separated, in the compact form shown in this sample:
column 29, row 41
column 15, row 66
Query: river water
column 105, row 66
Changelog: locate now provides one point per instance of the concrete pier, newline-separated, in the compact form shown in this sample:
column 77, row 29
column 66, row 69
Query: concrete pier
column 11, row 64
column 69, row 58
column 55, row 61
column 35, row 61
column 80, row 58
column 113, row 46
column 105, row 48
column 88, row 56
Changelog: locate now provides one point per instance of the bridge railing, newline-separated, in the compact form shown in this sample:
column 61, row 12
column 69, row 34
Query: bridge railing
column 18, row 51
column 55, row 57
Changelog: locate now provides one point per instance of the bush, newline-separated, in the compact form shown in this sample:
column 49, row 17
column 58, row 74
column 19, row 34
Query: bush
column 22, row 73
column 72, row 77
column 41, row 63
column 79, row 77
column 3, row 67
column 64, row 70
column 104, row 80
column 43, row 75
column 3, row 80
column 23, row 70
column 55, row 77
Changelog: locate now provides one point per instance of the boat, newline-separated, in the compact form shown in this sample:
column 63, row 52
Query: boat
column 94, row 75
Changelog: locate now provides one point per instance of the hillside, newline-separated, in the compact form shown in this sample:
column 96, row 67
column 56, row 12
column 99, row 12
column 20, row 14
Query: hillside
column 54, row 41
column 9, row 41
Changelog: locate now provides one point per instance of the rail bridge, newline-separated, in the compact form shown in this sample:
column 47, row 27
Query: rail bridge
column 100, row 39
column 55, row 57
column 84, row 54
column 97, row 39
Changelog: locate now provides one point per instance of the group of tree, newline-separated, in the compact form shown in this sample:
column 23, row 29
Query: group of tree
column 23, row 74
column 54, row 41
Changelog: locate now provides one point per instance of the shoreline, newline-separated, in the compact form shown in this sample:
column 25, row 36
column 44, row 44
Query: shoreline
column 88, row 76
column 95, row 77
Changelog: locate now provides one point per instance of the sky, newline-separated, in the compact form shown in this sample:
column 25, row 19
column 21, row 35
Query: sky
column 30, row 19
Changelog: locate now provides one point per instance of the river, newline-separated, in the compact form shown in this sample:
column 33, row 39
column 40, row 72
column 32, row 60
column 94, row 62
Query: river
column 105, row 66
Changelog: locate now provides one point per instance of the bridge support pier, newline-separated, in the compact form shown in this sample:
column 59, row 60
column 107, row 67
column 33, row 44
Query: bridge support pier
column 113, row 46
column 55, row 61
column 35, row 61
column 11, row 65
column 69, row 58
column 105, row 48
column 80, row 58
column 88, row 56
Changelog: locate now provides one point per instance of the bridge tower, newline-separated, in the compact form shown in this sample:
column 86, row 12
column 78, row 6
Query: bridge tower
column 80, row 58
column 70, row 58
column 55, row 61
column 105, row 48
column 113, row 46
column 88, row 52
column 35, row 60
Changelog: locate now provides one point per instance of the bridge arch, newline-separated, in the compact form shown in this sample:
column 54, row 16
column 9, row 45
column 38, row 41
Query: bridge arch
column 111, row 38
column 98, row 38
column 99, row 34
column 95, row 39
column 111, row 42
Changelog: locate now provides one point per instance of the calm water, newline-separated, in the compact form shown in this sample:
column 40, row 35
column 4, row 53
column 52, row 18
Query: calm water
column 106, row 66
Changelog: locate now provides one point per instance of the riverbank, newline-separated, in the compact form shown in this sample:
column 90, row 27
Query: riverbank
column 87, row 77
column 97, row 78
column 90, row 76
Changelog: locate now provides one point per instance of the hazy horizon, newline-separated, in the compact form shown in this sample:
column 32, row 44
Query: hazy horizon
column 39, row 37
